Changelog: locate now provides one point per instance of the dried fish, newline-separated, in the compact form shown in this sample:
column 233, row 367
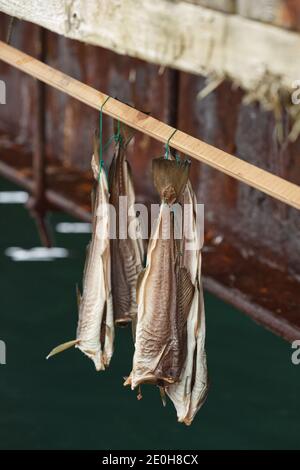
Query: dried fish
column 164, row 290
column 189, row 393
column 127, row 249
column 95, row 330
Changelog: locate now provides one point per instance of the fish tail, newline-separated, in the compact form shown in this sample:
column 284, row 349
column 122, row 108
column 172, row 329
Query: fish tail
column 62, row 347
column 170, row 178
column 162, row 395
column 128, row 381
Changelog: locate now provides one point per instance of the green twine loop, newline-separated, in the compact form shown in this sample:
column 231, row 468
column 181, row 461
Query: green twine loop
column 167, row 146
column 101, row 162
column 118, row 137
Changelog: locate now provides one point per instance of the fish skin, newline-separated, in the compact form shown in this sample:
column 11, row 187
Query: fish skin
column 160, row 344
column 158, row 336
column 96, row 283
column 199, row 386
column 95, row 328
column 190, row 392
column 126, row 254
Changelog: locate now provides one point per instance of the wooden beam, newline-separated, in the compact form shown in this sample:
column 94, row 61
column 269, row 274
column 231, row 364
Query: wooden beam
column 253, row 176
column 178, row 34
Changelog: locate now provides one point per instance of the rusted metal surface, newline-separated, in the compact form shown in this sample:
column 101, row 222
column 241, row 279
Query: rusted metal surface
column 256, row 264
column 37, row 203
column 252, row 252
column 291, row 14
column 269, row 294
column 16, row 117
column 68, row 189
column 252, row 220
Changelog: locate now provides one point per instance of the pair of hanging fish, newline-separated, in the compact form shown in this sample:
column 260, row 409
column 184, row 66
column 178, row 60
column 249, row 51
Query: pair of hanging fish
column 164, row 301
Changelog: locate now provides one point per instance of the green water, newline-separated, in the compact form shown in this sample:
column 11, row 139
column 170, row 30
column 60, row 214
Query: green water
column 64, row 404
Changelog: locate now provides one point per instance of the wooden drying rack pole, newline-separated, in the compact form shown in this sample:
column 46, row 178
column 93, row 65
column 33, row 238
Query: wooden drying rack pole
column 251, row 175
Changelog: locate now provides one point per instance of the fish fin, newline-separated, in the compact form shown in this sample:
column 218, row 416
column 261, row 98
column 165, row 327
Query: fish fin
column 162, row 395
column 170, row 178
column 126, row 132
column 62, row 347
column 127, row 381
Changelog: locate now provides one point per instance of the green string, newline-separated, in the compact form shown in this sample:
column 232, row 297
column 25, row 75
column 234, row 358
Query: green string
column 115, row 137
column 101, row 162
column 167, row 146
column 118, row 137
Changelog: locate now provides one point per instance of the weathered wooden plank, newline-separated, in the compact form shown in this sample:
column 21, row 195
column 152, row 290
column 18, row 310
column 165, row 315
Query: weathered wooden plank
column 177, row 34
column 251, row 175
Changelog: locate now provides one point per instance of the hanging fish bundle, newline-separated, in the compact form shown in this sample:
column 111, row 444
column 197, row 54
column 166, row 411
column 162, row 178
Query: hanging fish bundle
column 113, row 262
column 160, row 346
column 170, row 333
column 164, row 301
column 127, row 249
column 95, row 330
column 189, row 393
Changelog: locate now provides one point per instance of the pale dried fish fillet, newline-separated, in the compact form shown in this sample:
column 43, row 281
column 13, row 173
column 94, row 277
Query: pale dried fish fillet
column 95, row 329
column 160, row 344
column 127, row 254
column 199, row 386
column 189, row 393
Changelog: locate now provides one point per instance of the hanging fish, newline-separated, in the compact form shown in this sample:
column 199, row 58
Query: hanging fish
column 95, row 330
column 164, row 290
column 189, row 393
column 127, row 249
